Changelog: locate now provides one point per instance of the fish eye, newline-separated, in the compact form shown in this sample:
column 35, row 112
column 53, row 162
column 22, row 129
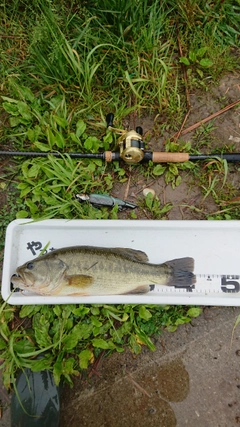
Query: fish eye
column 30, row 266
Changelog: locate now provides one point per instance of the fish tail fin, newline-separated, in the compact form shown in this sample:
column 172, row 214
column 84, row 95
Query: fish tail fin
column 182, row 272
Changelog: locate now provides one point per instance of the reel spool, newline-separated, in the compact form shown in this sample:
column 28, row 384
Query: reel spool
column 131, row 147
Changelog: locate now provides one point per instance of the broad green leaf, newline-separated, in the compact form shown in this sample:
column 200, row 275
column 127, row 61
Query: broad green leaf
column 206, row 63
column 71, row 340
column 25, row 190
column 14, row 121
column 67, row 311
column 95, row 310
column 107, row 140
column 80, row 128
column 108, row 137
column 59, row 139
column 173, row 169
column 202, row 51
column 192, row 56
column 27, row 93
column 149, row 200
column 144, row 339
column 68, row 324
column 24, row 168
column 62, row 122
column 68, row 366
column 57, row 371
column 32, row 206
column 144, row 313
column 7, row 374
column 85, row 357
column 24, row 110
column 22, row 214
column 182, row 320
column 50, row 137
column 178, row 181
column 171, row 328
column 10, row 108
column 42, row 364
column 91, row 167
column 42, row 147
column 158, row 170
column 101, row 343
column 200, row 72
column 194, row 312
column 33, row 170
column 74, row 137
column 57, row 310
column 95, row 321
column 184, row 60
column 125, row 317
column 41, row 330
column 81, row 311
column 92, row 143
column 31, row 135
column 166, row 208
column 29, row 310
column 134, row 345
column 11, row 100
column 23, row 346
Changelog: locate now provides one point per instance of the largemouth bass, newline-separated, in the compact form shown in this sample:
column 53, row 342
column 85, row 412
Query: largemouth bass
column 86, row 270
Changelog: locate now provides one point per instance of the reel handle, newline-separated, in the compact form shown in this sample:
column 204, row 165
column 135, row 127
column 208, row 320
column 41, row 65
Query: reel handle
column 139, row 130
column 109, row 119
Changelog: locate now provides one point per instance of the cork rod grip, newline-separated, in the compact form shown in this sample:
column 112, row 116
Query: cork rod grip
column 108, row 156
column 162, row 157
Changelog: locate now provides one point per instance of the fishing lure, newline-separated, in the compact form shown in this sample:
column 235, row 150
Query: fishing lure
column 99, row 200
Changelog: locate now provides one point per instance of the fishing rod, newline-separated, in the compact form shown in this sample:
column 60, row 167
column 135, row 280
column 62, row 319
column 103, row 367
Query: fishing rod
column 131, row 151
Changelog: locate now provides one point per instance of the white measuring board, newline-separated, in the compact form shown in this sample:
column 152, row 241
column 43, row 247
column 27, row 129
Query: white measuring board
column 214, row 245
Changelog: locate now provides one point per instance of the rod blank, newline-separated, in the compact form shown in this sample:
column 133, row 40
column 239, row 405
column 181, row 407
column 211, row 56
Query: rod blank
column 108, row 156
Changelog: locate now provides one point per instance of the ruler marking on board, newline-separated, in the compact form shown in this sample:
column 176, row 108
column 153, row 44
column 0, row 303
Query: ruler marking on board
column 207, row 284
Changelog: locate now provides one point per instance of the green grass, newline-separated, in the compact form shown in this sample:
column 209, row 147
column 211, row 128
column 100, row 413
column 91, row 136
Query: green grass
column 72, row 336
column 63, row 66
column 109, row 54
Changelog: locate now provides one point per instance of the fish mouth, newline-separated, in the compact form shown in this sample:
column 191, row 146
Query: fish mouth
column 12, row 285
column 17, row 282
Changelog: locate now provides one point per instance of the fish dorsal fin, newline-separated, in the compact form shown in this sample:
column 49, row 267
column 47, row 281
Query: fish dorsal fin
column 79, row 281
column 133, row 254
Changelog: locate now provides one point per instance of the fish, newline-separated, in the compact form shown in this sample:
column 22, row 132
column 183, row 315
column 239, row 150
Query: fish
column 90, row 270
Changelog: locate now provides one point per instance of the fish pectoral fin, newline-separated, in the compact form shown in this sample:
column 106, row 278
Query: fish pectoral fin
column 141, row 290
column 79, row 281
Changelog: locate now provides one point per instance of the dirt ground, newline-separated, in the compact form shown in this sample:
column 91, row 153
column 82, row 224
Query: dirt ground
column 226, row 131
column 86, row 404
column 192, row 379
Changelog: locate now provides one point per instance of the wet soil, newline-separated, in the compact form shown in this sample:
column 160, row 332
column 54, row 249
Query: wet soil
column 192, row 379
